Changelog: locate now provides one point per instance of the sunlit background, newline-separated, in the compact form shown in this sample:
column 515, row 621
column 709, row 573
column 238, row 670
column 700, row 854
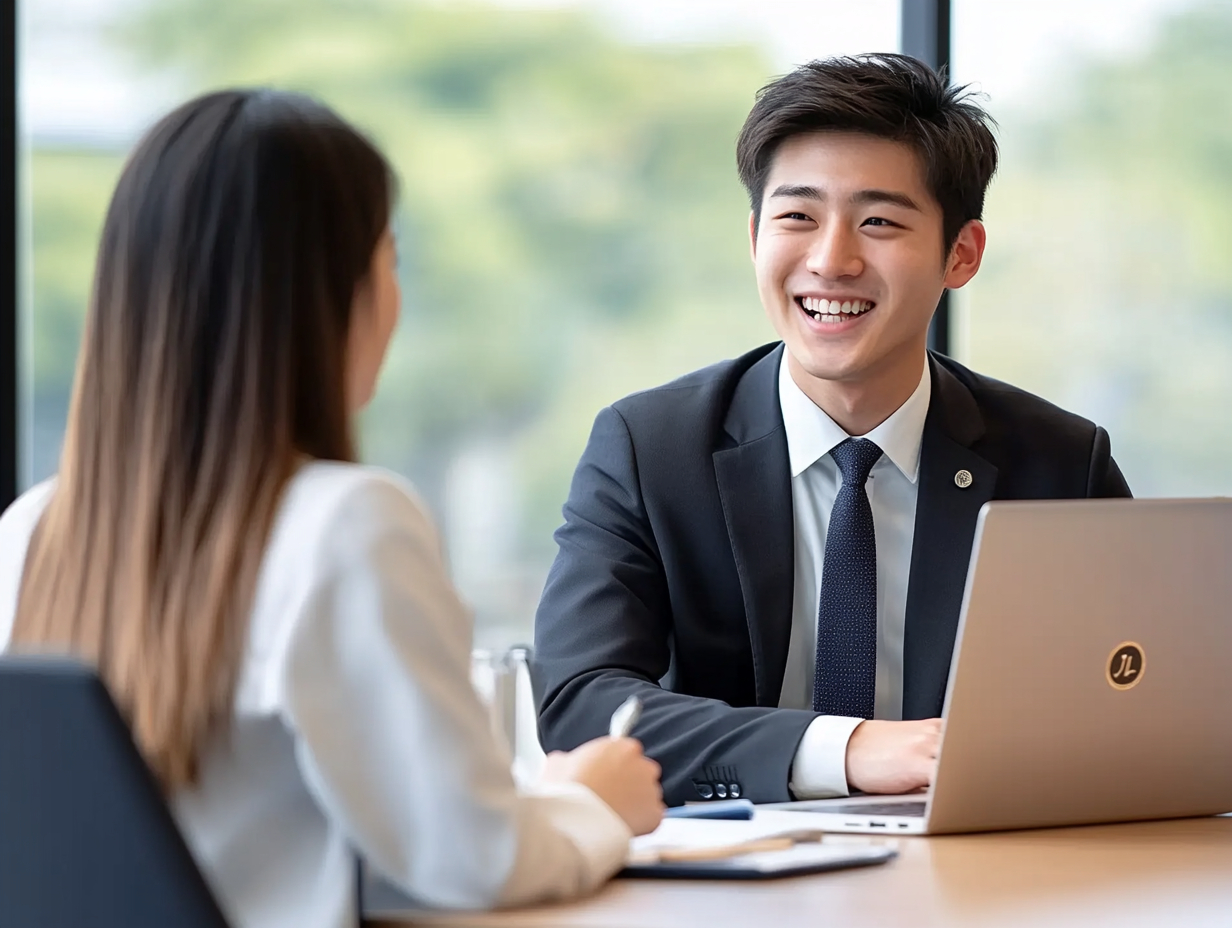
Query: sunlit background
column 571, row 227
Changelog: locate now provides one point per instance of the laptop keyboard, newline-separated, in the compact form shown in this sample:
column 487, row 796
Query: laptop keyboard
column 911, row 808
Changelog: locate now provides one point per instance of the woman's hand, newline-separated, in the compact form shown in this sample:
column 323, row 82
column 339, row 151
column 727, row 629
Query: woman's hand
column 615, row 770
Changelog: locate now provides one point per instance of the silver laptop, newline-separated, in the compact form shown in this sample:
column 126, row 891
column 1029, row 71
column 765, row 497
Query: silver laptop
column 1092, row 674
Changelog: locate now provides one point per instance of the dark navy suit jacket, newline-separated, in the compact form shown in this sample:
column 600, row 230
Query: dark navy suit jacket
column 675, row 573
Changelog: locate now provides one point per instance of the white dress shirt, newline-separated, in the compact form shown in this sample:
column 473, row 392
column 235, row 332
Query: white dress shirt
column 819, row 768
column 356, row 727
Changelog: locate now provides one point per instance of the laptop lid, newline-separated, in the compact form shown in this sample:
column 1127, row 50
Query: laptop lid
column 1091, row 673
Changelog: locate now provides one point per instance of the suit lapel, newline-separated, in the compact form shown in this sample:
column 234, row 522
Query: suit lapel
column 754, row 480
column 944, row 530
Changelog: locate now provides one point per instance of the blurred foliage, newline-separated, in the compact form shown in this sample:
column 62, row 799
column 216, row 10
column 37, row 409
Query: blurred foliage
column 570, row 224
column 1107, row 285
column 69, row 192
column 571, row 229
column 70, row 197
column 554, row 180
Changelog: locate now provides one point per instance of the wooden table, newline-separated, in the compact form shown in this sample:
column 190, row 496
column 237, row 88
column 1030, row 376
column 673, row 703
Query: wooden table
column 1128, row 876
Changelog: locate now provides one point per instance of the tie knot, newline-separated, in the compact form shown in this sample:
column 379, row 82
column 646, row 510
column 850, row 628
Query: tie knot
column 855, row 458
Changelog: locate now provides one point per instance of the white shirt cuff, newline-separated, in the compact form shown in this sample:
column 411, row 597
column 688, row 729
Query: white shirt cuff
column 819, row 770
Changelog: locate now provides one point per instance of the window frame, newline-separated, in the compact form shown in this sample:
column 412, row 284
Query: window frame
column 10, row 252
column 925, row 27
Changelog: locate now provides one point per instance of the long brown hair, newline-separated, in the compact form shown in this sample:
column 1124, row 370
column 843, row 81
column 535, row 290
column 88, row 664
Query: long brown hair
column 212, row 361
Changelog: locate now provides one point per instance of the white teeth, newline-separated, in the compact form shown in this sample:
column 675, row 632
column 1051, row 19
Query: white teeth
column 835, row 309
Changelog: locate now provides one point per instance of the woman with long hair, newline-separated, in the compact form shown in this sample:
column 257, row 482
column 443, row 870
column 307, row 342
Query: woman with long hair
column 274, row 619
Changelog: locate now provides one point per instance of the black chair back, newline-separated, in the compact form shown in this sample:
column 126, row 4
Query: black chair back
column 86, row 840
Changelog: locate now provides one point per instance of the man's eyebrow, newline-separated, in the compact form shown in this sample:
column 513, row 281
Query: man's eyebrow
column 892, row 197
column 859, row 198
column 802, row 191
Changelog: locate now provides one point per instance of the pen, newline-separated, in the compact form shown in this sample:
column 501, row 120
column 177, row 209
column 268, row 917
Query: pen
column 625, row 717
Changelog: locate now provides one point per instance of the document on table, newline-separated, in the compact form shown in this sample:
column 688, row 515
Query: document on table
column 702, row 835
column 772, row 843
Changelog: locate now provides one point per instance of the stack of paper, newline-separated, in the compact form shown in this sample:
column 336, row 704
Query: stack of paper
column 685, row 834
column 773, row 843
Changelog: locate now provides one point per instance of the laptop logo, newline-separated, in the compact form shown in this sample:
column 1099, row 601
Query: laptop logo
column 1125, row 666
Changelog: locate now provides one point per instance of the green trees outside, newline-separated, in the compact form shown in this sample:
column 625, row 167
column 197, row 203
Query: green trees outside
column 571, row 229
column 1108, row 282
column 69, row 191
column 556, row 186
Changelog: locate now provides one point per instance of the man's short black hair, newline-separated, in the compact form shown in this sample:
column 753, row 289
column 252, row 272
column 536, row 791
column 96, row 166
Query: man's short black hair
column 888, row 96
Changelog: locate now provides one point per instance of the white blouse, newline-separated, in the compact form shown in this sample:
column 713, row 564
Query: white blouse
column 356, row 728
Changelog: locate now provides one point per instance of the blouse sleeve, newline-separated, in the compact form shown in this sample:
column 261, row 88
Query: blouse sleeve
column 394, row 742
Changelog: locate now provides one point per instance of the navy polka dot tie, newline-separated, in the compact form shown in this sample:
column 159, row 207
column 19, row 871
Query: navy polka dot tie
column 845, row 678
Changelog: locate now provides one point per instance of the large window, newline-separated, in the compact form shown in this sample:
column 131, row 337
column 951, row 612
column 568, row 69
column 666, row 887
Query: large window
column 1107, row 285
column 570, row 223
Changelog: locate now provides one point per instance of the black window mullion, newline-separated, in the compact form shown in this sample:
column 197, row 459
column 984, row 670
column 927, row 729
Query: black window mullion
column 925, row 27
column 9, row 257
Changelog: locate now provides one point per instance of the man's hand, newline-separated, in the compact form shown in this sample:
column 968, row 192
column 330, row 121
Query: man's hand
column 893, row 757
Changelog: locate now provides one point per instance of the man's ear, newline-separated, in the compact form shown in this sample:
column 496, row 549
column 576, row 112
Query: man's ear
column 752, row 236
column 966, row 255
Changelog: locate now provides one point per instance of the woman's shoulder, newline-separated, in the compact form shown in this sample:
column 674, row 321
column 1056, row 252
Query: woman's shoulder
column 335, row 516
column 331, row 518
column 19, row 520
column 17, row 526
column 329, row 499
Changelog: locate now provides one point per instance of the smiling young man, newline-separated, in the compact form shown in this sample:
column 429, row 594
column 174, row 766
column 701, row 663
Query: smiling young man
column 771, row 552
